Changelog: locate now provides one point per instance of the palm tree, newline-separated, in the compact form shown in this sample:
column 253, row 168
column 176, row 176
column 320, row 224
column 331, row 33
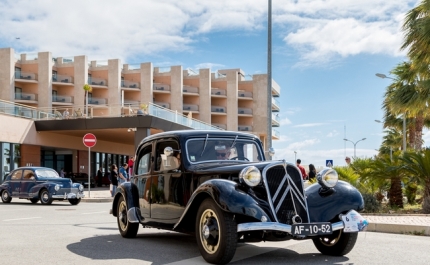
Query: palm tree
column 418, row 164
column 87, row 89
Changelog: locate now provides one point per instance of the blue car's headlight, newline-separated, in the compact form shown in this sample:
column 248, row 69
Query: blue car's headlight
column 81, row 188
column 327, row 178
column 57, row 187
column 250, row 175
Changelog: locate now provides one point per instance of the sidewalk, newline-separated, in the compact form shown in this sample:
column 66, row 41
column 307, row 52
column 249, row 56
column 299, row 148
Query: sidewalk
column 416, row 224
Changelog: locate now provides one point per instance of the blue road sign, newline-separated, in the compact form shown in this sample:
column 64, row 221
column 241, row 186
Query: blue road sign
column 329, row 163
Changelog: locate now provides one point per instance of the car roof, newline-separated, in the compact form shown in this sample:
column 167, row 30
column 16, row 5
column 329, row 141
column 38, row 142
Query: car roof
column 197, row 133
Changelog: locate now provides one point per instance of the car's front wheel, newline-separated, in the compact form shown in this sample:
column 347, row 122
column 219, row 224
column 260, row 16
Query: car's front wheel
column 74, row 201
column 216, row 233
column 45, row 197
column 5, row 197
column 127, row 229
column 336, row 244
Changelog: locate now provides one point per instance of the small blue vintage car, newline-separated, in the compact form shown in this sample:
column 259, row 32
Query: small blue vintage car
column 39, row 183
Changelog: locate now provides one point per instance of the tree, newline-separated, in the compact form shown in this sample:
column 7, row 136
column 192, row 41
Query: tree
column 87, row 89
column 418, row 165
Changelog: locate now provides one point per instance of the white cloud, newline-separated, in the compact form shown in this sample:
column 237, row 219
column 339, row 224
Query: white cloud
column 333, row 133
column 307, row 125
column 302, row 144
column 285, row 121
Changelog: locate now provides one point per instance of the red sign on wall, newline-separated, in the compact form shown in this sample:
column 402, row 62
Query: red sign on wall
column 89, row 140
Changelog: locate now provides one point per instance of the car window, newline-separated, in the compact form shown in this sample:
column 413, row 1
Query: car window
column 28, row 174
column 144, row 160
column 47, row 173
column 199, row 150
column 16, row 175
column 164, row 163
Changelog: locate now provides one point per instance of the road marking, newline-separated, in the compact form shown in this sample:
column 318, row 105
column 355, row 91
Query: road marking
column 29, row 218
column 95, row 212
column 247, row 251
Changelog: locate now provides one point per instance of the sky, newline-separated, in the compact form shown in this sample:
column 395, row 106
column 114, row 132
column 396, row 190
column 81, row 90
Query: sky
column 325, row 54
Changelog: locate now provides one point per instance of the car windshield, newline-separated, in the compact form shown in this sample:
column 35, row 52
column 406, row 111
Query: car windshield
column 213, row 149
column 47, row 173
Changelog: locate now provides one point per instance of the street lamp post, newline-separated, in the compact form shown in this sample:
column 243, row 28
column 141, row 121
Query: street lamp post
column 355, row 144
column 404, row 114
column 269, row 74
column 295, row 156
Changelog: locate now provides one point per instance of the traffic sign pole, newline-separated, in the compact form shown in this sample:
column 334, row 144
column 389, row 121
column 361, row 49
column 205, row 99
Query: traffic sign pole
column 89, row 140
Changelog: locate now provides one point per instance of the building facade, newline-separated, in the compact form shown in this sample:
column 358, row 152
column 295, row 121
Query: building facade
column 228, row 99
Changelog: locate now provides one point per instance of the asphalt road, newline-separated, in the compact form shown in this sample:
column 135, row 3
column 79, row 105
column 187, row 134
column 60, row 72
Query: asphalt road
column 88, row 234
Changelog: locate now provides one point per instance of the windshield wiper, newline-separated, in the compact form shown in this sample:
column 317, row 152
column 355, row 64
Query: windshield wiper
column 204, row 147
column 232, row 145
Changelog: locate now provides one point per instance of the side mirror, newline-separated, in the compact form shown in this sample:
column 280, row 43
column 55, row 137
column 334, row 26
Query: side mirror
column 168, row 151
column 271, row 151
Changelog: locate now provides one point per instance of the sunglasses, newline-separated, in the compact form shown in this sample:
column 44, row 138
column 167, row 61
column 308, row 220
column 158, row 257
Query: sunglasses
column 220, row 154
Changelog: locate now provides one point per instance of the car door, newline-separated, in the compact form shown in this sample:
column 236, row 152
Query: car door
column 167, row 184
column 15, row 182
column 28, row 181
column 142, row 174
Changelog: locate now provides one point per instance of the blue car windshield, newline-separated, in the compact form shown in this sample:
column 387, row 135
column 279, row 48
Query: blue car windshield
column 47, row 173
column 214, row 149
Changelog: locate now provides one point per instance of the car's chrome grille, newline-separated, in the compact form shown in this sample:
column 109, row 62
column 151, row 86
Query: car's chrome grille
column 286, row 193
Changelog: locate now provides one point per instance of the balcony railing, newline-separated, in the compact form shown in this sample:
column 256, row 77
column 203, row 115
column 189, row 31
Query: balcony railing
column 26, row 96
column 131, row 102
column 163, row 104
column 244, row 128
column 62, row 99
column 25, row 75
column 97, row 81
column 219, row 125
column 129, row 84
column 276, row 118
column 161, row 87
column 62, row 78
column 190, row 89
column 218, row 109
column 244, row 94
column 18, row 110
column 244, row 111
column 275, row 104
column 276, row 134
column 97, row 101
column 190, row 107
column 218, row 92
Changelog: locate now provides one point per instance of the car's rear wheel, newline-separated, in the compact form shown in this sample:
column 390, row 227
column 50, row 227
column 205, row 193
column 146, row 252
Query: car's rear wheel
column 127, row 229
column 336, row 244
column 45, row 197
column 216, row 233
column 33, row 201
column 74, row 201
column 5, row 197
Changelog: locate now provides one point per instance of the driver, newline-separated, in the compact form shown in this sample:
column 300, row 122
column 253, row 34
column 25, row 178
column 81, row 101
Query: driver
column 222, row 152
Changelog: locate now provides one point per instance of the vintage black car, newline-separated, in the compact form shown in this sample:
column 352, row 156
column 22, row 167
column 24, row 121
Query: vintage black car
column 39, row 183
column 219, row 186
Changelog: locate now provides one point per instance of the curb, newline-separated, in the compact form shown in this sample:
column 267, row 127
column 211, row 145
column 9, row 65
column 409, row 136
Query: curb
column 96, row 200
column 421, row 230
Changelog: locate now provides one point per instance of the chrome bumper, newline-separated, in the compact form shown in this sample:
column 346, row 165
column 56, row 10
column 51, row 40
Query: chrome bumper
column 273, row 226
column 70, row 195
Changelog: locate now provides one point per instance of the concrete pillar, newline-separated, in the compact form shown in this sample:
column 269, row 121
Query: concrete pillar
column 114, row 82
column 146, row 83
column 7, row 72
column 205, row 95
column 81, row 78
column 232, row 99
column 176, row 85
column 44, row 72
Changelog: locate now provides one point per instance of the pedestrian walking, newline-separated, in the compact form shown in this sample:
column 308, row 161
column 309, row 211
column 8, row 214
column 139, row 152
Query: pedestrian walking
column 113, row 179
column 302, row 169
column 122, row 175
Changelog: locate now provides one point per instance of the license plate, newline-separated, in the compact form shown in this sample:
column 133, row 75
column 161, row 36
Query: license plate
column 311, row 229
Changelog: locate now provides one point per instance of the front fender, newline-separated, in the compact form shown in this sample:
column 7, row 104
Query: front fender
column 131, row 196
column 324, row 207
column 227, row 197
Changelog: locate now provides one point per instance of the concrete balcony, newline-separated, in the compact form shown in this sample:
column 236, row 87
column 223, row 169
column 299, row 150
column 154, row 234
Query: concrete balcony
column 218, row 109
column 94, row 81
column 163, row 104
column 276, row 121
column 218, row 92
column 244, row 128
column 25, row 97
column 276, row 90
column 190, row 90
column 161, row 87
column 190, row 107
column 62, row 99
column 25, row 76
column 244, row 94
column 97, row 101
column 62, row 79
column 276, row 135
column 244, row 111
column 129, row 84
column 276, row 106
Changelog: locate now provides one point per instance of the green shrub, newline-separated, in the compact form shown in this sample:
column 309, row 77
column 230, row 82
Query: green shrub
column 371, row 204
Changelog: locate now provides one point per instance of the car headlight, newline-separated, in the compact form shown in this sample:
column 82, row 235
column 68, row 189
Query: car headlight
column 81, row 188
column 250, row 175
column 57, row 187
column 327, row 178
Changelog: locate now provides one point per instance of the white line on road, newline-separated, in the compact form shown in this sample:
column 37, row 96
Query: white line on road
column 247, row 251
column 96, row 212
column 8, row 220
